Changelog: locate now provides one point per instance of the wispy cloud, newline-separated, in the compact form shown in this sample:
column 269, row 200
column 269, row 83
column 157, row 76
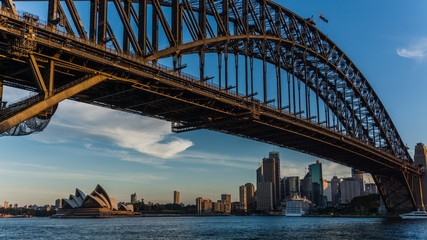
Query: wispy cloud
column 76, row 122
column 416, row 51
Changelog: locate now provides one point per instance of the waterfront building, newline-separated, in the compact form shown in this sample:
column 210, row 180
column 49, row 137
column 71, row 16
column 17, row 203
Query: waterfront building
column 6, row 204
column 226, row 199
column 350, row 188
column 96, row 204
column 292, row 186
column 335, row 190
column 250, row 196
column 133, row 198
column 243, row 198
column 203, row 206
column 218, row 207
column 265, row 196
column 317, row 182
column 176, row 199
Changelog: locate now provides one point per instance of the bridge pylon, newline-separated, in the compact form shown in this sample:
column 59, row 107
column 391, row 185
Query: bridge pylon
column 420, row 159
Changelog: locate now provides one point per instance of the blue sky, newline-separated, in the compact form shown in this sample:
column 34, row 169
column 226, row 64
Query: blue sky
column 86, row 145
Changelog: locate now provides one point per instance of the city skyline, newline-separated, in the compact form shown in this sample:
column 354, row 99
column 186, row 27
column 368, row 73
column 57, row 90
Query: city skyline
column 86, row 145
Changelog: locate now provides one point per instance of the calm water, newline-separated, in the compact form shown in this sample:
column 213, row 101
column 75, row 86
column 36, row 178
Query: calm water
column 254, row 227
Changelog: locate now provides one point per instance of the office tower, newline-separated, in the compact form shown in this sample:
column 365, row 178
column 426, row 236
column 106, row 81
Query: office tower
column 292, row 186
column 277, row 189
column 350, row 188
column 420, row 159
column 317, row 182
column 282, row 189
column 327, row 191
column 6, row 204
column 335, row 190
column 307, row 187
column 250, row 196
column 264, row 196
column 176, row 199
column 359, row 175
column 133, row 198
column 243, row 198
column 226, row 199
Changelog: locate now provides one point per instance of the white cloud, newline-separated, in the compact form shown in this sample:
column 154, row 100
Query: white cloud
column 416, row 51
column 79, row 122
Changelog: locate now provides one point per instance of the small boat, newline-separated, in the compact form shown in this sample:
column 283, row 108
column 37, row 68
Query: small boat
column 414, row 215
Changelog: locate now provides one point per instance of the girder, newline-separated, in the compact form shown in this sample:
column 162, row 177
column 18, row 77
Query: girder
column 320, row 104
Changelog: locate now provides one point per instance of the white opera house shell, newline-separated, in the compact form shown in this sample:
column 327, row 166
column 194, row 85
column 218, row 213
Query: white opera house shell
column 96, row 204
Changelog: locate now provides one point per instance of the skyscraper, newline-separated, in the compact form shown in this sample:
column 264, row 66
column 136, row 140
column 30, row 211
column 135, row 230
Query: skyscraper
column 277, row 189
column 226, row 199
column 176, row 199
column 250, row 196
column 243, row 198
column 335, row 190
column 292, row 186
column 269, row 172
column 307, row 187
column 133, row 198
column 359, row 175
column 317, row 182
column 350, row 188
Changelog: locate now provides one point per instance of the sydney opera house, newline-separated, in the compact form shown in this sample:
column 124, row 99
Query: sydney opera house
column 96, row 204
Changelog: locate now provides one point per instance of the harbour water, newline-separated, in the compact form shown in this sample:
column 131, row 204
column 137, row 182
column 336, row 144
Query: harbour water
column 227, row 227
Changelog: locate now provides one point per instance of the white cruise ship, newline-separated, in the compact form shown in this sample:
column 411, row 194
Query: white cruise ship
column 414, row 215
column 297, row 207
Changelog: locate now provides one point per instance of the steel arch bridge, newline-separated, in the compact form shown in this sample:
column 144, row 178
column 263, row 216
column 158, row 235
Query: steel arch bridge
column 263, row 73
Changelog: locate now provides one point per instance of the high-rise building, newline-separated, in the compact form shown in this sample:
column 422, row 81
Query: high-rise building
column 292, row 186
column 226, row 199
column 6, row 204
column 327, row 191
column 277, row 189
column 335, row 190
column 350, row 188
column 203, row 206
column 317, row 182
column 176, row 199
column 243, row 198
column 264, row 196
column 250, row 196
column 359, row 175
column 282, row 189
column 307, row 187
column 133, row 198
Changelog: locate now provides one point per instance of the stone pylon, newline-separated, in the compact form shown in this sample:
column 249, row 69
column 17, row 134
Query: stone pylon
column 420, row 159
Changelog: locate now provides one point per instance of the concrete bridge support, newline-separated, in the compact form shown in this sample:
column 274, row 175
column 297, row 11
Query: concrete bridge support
column 420, row 159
